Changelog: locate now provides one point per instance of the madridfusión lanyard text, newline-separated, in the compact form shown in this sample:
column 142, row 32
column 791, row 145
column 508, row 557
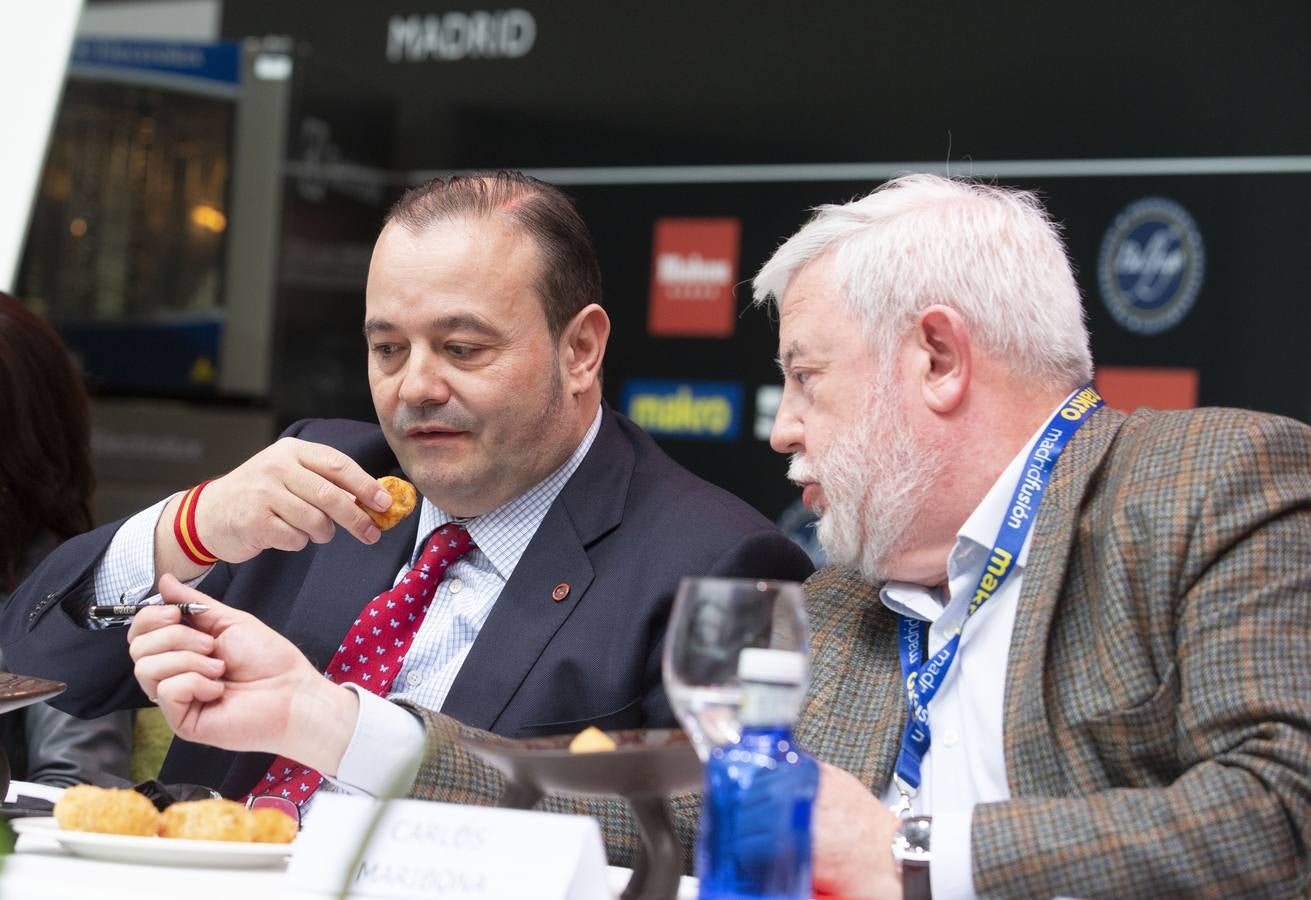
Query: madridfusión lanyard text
column 922, row 677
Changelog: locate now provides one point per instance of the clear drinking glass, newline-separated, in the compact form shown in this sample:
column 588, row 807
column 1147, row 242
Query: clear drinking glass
column 713, row 620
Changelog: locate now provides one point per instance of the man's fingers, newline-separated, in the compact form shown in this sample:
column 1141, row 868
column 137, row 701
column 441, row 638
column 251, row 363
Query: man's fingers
column 150, row 671
column 304, row 516
column 176, row 695
column 169, row 638
column 152, row 618
column 257, row 505
column 334, row 501
column 161, row 666
column 346, row 473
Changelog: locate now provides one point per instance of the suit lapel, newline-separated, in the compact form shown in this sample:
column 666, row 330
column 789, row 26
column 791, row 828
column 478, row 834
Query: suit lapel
column 526, row 615
column 1033, row 765
column 855, row 705
column 891, row 703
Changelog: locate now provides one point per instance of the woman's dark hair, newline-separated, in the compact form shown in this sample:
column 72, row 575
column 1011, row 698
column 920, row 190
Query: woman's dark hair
column 45, row 450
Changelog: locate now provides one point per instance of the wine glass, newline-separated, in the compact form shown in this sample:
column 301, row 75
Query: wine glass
column 713, row 620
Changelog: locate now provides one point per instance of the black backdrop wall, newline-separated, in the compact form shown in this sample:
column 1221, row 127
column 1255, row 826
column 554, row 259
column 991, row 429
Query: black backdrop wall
column 756, row 111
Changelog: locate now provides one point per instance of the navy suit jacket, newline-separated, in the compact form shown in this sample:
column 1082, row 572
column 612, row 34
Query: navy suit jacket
column 626, row 527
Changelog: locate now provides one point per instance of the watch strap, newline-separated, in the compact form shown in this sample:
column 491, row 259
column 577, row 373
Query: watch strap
column 915, row 881
column 912, row 850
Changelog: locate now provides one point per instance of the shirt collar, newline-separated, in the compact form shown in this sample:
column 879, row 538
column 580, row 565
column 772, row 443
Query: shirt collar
column 973, row 542
column 503, row 534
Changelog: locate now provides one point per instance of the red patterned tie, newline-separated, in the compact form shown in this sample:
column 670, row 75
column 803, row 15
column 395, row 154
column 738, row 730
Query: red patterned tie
column 375, row 646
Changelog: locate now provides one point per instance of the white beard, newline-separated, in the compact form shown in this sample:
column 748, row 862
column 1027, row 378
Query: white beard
column 875, row 484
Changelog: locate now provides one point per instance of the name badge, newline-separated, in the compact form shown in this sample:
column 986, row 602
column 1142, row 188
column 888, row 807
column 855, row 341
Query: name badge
column 424, row 849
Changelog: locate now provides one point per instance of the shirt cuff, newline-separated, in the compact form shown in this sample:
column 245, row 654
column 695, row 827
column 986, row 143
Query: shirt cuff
column 126, row 573
column 951, row 868
column 384, row 753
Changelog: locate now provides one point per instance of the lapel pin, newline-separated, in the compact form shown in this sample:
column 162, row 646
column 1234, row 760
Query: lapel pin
column 561, row 591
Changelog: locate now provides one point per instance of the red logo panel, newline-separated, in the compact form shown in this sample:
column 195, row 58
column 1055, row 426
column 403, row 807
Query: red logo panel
column 693, row 270
column 1128, row 387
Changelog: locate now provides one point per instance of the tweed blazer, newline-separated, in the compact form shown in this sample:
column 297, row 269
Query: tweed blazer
column 1158, row 692
column 1157, row 727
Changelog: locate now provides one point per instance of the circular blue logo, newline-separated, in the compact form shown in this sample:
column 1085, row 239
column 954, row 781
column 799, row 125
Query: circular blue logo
column 1151, row 265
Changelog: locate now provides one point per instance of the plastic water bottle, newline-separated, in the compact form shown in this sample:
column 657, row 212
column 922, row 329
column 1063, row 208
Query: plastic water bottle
column 759, row 792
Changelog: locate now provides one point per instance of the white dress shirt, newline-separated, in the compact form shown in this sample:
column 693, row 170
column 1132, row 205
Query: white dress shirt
column 387, row 745
column 966, row 762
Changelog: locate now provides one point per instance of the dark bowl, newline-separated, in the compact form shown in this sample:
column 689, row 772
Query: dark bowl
column 645, row 767
column 17, row 691
column 646, row 763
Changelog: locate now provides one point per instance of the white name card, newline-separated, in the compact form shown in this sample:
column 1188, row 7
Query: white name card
column 423, row 849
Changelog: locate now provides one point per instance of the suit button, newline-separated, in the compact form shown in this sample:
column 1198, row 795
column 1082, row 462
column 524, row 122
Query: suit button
column 561, row 591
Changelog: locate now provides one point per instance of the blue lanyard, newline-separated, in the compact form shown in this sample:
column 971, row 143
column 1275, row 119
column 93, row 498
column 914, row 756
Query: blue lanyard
column 921, row 677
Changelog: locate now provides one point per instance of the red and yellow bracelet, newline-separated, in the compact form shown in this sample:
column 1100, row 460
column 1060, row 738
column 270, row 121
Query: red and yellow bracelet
column 184, row 528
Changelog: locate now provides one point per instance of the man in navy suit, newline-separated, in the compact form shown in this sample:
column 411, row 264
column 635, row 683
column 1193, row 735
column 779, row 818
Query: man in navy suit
column 485, row 339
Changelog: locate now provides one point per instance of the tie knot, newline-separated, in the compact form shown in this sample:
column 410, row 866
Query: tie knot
column 448, row 543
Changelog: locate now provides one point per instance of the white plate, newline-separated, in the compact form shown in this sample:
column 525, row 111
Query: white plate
column 157, row 851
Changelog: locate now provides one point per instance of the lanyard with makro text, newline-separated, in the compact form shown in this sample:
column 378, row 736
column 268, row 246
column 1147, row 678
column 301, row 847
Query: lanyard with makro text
column 922, row 678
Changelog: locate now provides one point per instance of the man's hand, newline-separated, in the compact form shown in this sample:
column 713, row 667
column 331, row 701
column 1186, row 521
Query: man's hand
column 852, row 840
column 228, row 680
column 283, row 497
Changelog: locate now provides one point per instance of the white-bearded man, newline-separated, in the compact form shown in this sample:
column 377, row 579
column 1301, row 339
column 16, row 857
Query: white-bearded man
column 1115, row 697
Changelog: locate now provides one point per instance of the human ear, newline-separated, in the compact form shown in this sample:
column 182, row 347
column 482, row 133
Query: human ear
column 946, row 357
column 582, row 348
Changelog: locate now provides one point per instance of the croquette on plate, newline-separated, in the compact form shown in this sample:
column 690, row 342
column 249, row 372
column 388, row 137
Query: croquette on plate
column 86, row 807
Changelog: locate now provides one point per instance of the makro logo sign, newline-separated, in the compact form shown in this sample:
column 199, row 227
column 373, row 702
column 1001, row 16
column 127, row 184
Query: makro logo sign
column 1151, row 265
column 693, row 269
column 693, row 410
column 453, row 36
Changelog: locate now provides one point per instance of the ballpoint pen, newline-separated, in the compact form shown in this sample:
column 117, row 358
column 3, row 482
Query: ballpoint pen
column 121, row 611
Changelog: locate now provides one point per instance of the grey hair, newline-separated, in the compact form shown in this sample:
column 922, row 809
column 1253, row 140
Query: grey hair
column 990, row 253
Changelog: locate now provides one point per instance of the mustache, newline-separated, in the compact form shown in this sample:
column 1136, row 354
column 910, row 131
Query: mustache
column 446, row 416
column 801, row 469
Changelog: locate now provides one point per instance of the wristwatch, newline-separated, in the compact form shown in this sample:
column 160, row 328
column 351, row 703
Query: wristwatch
column 910, row 850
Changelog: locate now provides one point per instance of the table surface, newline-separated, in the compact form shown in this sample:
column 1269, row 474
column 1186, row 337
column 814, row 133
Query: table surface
column 40, row 869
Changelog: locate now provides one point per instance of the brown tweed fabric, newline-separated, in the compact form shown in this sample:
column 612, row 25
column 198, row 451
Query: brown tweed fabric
column 855, row 708
column 1158, row 692
column 1158, row 695
column 1158, row 711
